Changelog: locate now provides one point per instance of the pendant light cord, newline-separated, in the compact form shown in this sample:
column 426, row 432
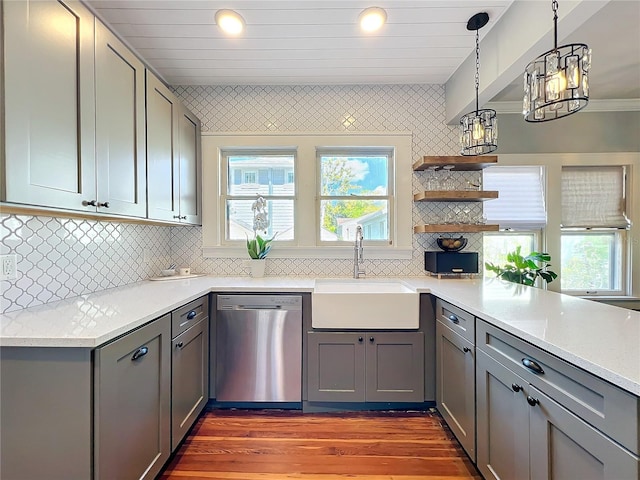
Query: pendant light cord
column 477, row 67
column 554, row 7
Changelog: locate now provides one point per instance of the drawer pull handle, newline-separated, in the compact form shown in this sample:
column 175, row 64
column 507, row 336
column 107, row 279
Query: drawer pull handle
column 532, row 401
column 179, row 345
column 141, row 352
column 453, row 318
column 360, row 339
column 191, row 315
column 466, row 349
column 371, row 339
column 532, row 365
column 515, row 387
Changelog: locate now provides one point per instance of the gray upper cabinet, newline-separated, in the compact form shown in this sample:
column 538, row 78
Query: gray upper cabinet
column 190, row 167
column 366, row 366
column 163, row 170
column 173, row 157
column 132, row 403
column 120, row 127
column 49, row 104
column 455, row 385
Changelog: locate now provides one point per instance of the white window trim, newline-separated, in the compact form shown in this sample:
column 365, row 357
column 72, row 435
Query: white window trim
column 389, row 197
column 551, row 240
column 306, row 144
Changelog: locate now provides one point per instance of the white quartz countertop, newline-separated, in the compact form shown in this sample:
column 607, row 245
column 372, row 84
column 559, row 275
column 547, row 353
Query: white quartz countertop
column 601, row 339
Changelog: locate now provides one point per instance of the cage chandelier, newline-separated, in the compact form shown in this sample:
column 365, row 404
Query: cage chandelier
column 478, row 129
column 556, row 83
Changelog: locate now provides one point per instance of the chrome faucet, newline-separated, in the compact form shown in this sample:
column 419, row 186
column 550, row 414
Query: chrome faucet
column 358, row 254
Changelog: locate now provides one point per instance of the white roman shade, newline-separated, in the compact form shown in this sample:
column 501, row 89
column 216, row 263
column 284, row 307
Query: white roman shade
column 520, row 204
column 594, row 197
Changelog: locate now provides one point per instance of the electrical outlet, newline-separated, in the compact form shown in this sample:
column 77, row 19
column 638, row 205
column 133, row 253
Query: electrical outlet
column 8, row 266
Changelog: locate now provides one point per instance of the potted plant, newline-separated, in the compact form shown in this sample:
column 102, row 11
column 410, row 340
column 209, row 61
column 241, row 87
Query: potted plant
column 259, row 247
column 524, row 270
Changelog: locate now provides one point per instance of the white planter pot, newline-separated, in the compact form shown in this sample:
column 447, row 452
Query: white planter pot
column 257, row 267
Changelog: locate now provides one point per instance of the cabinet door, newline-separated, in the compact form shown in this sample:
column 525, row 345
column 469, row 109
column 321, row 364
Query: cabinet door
column 132, row 403
column 455, row 385
column 190, row 168
column 395, row 367
column 502, row 421
column 49, row 104
column 120, row 127
column 162, row 151
column 336, row 367
column 189, row 379
column 565, row 447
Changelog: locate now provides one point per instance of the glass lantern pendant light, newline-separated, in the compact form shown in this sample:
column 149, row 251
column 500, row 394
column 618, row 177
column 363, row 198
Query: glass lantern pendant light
column 556, row 84
column 478, row 129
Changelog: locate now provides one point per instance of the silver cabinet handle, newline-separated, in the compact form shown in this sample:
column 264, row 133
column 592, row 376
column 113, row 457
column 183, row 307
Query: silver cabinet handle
column 179, row 345
column 89, row 203
column 105, row 204
column 141, row 352
column 532, row 365
column 453, row 318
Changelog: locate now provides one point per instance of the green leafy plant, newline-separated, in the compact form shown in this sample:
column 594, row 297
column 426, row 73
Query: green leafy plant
column 259, row 247
column 524, row 270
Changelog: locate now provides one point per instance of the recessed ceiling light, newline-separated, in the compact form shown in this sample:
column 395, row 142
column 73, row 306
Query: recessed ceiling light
column 230, row 22
column 372, row 18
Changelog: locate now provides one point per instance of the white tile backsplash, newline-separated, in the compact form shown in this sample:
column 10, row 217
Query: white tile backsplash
column 419, row 109
column 60, row 258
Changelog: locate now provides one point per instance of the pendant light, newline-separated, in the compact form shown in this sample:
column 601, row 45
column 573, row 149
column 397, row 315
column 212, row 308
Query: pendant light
column 478, row 129
column 556, row 84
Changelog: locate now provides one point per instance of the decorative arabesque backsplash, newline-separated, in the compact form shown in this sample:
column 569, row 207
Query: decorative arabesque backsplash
column 61, row 258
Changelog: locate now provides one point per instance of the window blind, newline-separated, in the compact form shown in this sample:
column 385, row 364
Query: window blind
column 520, row 204
column 593, row 197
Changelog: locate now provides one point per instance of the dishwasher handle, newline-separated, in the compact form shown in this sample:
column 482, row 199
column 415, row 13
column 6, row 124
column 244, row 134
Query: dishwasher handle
column 257, row 307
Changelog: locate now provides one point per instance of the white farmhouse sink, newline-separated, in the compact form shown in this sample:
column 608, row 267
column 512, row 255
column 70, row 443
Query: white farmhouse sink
column 364, row 304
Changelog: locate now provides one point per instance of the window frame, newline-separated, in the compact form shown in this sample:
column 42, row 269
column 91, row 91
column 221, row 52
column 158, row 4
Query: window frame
column 551, row 235
column 224, row 186
column 619, row 265
column 355, row 152
column 306, row 143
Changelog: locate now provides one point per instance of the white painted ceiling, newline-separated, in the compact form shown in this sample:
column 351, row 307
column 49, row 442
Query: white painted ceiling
column 298, row 42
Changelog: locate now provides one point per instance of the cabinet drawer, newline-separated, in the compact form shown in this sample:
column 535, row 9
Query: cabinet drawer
column 461, row 322
column 606, row 407
column 185, row 317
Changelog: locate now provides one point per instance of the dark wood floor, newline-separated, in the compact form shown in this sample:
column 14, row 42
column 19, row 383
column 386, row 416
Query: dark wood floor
column 284, row 445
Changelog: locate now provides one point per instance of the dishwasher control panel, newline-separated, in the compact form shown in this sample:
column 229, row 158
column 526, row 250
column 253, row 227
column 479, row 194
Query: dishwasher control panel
column 259, row 302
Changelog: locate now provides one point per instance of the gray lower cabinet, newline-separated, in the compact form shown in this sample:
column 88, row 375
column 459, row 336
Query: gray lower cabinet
column 455, row 385
column 366, row 366
column 133, row 403
column 190, row 367
column 525, row 434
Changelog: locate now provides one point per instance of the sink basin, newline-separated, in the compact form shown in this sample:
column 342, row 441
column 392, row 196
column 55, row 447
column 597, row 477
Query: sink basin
column 364, row 304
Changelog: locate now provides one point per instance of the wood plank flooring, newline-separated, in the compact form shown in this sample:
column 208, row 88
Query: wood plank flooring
column 288, row 445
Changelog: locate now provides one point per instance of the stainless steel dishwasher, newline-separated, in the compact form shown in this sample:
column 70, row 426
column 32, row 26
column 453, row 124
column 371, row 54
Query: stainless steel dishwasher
column 259, row 348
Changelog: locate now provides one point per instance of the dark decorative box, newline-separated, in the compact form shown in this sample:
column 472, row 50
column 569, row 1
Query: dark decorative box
column 451, row 262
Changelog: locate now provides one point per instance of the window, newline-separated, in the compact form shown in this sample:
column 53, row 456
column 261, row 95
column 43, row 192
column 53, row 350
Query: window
column 594, row 227
column 497, row 245
column 250, row 173
column 519, row 210
column 354, row 187
column 318, row 188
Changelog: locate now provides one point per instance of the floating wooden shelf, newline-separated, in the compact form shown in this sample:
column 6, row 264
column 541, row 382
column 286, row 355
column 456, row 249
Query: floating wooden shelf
column 455, row 196
column 454, row 228
column 458, row 162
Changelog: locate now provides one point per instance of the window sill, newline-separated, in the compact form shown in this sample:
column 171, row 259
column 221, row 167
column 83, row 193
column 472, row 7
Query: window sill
column 338, row 252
